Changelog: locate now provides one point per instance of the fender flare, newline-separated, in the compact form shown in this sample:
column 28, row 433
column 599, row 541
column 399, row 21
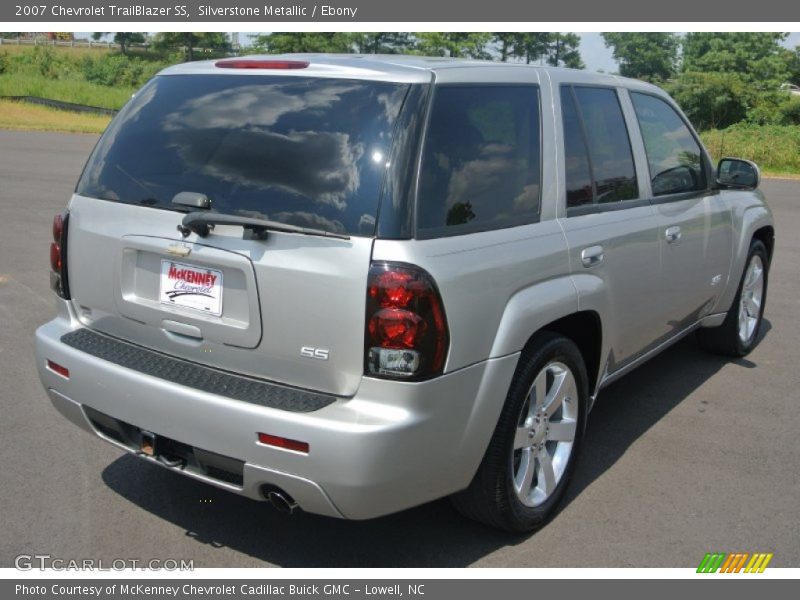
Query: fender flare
column 530, row 309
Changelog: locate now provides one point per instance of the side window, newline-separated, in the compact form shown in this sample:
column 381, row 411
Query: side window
column 594, row 126
column 481, row 160
column 673, row 155
column 580, row 189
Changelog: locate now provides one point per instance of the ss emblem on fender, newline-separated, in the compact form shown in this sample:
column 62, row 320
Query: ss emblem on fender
column 318, row 353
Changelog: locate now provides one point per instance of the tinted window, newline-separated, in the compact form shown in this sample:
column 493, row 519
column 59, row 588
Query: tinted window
column 576, row 162
column 610, row 155
column 309, row 152
column 673, row 154
column 480, row 166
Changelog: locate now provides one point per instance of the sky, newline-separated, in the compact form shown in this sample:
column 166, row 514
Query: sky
column 593, row 51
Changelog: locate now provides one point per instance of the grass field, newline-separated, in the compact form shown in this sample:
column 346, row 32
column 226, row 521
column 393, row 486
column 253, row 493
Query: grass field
column 95, row 77
column 774, row 148
column 66, row 90
column 30, row 117
column 77, row 52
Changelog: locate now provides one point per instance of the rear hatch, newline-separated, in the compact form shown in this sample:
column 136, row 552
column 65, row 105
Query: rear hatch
column 304, row 151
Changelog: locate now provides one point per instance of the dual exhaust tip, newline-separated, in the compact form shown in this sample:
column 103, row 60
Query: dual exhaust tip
column 282, row 501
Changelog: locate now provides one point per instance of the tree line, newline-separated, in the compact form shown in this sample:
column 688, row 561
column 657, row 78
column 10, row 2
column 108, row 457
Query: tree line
column 718, row 78
column 556, row 49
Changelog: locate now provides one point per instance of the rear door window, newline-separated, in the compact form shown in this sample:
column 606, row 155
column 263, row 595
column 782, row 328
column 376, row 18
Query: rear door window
column 673, row 154
column 481, row 160
column 594, row 127
column 580, row 185
column 305, row 151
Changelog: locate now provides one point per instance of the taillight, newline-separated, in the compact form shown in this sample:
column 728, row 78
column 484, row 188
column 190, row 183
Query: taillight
column 406, row 328
column 58, row 256
column 58, row 226
column 248, row 63
column 55, row 257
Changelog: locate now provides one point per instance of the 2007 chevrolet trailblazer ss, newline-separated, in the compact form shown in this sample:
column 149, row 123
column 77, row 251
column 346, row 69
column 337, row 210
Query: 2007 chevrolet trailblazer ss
column 356, row 284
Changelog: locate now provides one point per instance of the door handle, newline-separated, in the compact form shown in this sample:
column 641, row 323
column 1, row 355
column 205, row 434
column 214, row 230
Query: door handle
column 673, row 234
column 592, row 256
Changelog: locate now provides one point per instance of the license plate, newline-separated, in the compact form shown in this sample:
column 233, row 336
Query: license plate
column 191, row 287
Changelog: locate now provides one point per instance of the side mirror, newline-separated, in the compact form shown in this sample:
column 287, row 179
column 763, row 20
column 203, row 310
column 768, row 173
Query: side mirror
column 738, row 173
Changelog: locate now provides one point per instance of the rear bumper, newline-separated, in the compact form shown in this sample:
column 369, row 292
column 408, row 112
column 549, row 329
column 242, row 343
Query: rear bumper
column 392, row 446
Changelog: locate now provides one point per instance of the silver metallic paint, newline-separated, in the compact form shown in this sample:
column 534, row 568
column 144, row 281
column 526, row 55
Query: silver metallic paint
column 386, row 445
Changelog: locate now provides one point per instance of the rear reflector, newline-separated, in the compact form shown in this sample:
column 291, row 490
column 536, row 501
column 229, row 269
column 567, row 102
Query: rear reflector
column 57, row 368
column 261, row 64
column 285, row 443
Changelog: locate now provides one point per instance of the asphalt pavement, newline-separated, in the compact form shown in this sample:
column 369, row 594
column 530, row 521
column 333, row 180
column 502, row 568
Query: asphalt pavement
column 688, row 454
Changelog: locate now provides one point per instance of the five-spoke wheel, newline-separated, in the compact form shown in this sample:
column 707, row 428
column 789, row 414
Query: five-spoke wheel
column 738, row 334
column 751, row 298
column 532, row 452
column 545, row 434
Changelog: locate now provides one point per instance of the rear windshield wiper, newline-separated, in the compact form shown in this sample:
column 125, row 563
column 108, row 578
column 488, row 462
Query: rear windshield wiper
column 201, row 223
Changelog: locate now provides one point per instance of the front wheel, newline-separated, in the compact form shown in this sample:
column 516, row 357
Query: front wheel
column 738, row 334
column 532, row 452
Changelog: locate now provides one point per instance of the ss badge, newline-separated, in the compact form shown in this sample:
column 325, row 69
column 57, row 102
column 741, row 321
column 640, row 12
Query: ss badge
column 318, row 353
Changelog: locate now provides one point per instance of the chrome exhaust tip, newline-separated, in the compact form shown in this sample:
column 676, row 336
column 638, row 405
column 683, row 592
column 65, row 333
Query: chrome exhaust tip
column 282, row 501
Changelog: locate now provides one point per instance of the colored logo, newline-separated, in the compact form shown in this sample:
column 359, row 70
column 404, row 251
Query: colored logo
column 737, row 562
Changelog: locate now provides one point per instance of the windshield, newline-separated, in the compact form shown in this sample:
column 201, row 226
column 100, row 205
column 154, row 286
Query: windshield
column 310, row 152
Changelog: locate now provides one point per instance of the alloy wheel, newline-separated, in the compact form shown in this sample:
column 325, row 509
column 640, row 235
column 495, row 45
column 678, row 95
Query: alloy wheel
column 545, row 434
column 750, row 299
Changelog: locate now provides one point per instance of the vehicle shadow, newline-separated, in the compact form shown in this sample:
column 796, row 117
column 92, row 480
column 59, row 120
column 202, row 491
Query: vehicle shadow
column 627, row 408
column 433, row 535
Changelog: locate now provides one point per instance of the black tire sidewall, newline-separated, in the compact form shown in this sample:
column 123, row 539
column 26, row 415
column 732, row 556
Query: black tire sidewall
column 549, row 348
column 756, row 248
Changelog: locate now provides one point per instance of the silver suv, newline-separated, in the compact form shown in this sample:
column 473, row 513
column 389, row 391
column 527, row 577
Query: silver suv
column 356, row 284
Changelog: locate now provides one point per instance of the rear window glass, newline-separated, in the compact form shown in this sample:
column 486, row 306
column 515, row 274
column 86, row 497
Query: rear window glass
column 481, row 161
column 306, row 151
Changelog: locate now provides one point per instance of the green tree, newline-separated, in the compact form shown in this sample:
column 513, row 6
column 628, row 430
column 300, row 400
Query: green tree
column 757, row 57
column 712, row 100
column 730, row 77
column 386, row 42
column 562, row 51
column 792, row 60
column 505, row 44
column 215, row 41
column 453, row 44
column 123, row 38
column 648, row 56
column 531, row 47
column 557, row 49
column 286, row 42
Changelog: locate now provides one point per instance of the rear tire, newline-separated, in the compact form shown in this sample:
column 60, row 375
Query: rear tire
column 533, row 450
column 738, row 334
